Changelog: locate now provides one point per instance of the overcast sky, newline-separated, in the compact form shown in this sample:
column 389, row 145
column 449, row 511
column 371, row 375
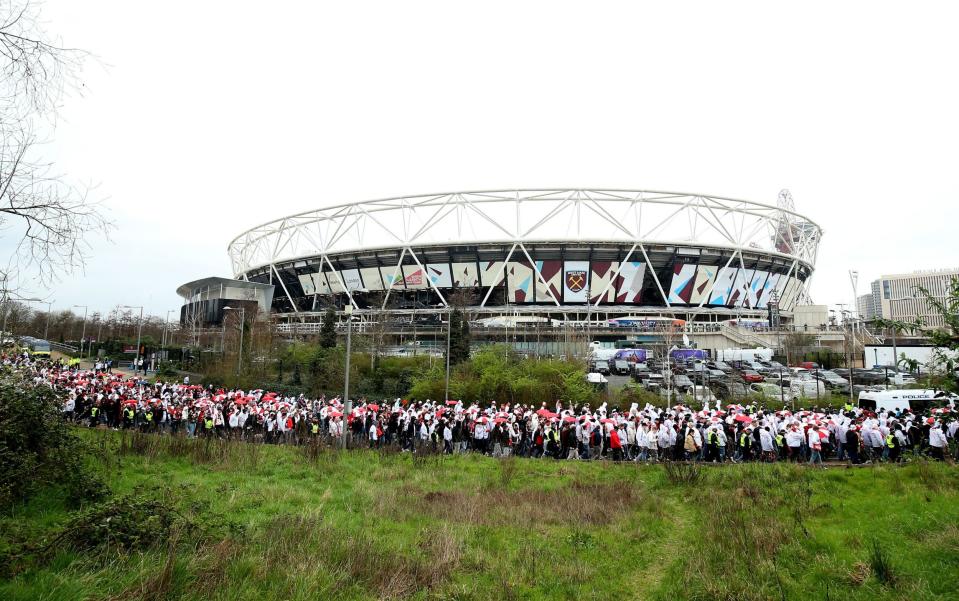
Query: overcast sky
column 207, row 118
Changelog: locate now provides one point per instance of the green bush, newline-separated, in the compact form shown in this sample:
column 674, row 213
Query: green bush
column 130, row 522
column 37, row 446
column 494, row 373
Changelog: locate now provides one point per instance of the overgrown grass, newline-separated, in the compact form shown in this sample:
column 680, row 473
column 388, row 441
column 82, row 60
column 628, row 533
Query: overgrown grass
column 239, row 521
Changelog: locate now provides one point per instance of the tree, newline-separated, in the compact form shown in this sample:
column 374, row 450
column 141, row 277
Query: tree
column 328, row 331
column 796, row 345
column 459, row 337
column 51, row 217
column 465, row 340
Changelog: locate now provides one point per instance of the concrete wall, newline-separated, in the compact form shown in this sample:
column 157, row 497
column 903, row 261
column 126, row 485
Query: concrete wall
column 810, row 316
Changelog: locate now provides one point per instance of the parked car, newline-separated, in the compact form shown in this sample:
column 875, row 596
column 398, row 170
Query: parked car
column 775, row 377
column 831, row 379
column 728, row 390
column 682, row 382
column 773, row 391
column 654, row 382
column 641, row 372
column 807, row 388
column 600, row 367
column 751, row 376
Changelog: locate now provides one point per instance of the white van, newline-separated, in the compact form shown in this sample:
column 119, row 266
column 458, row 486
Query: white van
column 893, row 400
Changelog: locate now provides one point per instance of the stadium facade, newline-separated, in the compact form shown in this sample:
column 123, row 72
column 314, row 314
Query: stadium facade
column 570, row 252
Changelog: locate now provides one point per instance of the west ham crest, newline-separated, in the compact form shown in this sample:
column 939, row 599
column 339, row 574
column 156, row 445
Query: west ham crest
column 575, row 280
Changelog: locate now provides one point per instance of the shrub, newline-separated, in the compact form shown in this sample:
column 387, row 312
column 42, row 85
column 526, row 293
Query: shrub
column 683, row 473
column 126, row 523
column 38, row 447
column 881, row 564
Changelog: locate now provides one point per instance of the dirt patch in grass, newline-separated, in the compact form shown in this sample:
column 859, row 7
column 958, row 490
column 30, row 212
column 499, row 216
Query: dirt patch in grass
column 579, row 503
column 305, row 545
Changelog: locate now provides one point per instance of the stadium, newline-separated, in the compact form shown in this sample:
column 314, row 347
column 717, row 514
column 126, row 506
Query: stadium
column 568, row 254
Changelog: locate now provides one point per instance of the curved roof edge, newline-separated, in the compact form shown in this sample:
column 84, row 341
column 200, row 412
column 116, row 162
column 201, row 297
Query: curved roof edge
column 186, row 290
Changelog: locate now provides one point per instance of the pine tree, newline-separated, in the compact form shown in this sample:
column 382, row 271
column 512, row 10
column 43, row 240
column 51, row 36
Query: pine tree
column 459, row 333
column 464, row 348
column 328, row 331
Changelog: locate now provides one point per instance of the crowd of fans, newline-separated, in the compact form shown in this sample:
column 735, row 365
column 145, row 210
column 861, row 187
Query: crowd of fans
column 100, row 398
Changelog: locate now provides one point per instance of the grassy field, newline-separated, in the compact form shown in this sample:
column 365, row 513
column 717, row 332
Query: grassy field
column 236, row 521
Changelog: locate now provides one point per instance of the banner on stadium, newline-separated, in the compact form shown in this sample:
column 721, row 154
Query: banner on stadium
column 439, row 274
column 681, row 288
column 629, row 282
column 465, row 275
column 552, row 272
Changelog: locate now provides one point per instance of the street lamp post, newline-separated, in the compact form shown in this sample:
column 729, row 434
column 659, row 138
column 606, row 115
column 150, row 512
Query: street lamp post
column 848, row 350
column 46, row 328
column 139, row 331
column 347, row 403
column 83, row 333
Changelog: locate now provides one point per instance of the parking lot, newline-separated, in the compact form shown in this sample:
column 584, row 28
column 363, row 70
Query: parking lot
column 737, row 379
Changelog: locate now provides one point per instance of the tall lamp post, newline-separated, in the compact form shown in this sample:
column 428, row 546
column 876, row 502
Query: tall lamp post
column 46, row 328
column 83, row 333
column 139, row 330
column 347, row 403
column 239, row 353
column 850, row 352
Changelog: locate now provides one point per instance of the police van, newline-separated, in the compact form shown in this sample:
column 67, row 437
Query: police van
column 901, row 400
column 36, row 347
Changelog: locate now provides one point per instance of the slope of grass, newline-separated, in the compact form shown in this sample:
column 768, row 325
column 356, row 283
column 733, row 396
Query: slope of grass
column 266, row 522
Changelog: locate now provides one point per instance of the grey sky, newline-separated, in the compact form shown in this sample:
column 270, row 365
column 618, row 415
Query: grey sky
column 211, row 117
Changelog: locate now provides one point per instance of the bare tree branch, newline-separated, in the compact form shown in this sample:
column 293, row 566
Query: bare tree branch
column 50, row 219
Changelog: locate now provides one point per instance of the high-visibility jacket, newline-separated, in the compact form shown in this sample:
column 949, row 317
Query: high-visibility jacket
column 94, row 411
column 890, row 441
column 315, row 428
column 208, row 423
column 128, row 413
column 780, row 441
column 745, row 440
